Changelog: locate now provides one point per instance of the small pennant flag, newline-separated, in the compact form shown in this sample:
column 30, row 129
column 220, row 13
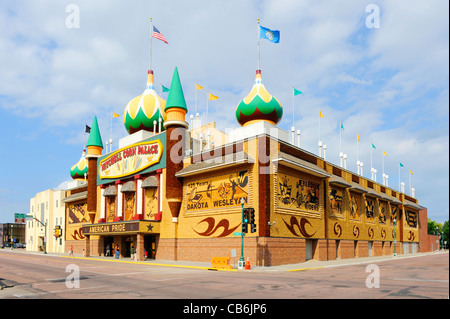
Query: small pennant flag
column 384, row 153
column 297, row 92
column 158, row 35
column 212, row 97
column 411, row 172
column 373, row 146
column 342, row 126
column 401, row 165
column 358, row 137
column 164, row 89
column 198, row 87
column 320, row 114
column 87, row 129
column 115, row 115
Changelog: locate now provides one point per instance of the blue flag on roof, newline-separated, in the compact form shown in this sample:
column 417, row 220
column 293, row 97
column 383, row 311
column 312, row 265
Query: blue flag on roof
column 271, row 35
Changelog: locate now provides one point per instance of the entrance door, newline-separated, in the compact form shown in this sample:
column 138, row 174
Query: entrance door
column 108, row 243
column 309, row 249
column 406, row 248
column 150, row 246
column 370, row 248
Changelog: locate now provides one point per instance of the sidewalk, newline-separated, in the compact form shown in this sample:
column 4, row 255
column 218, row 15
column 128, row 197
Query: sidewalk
column 308, row 265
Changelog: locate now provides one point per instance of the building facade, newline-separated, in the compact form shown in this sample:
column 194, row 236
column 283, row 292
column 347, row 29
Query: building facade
column 47, row 224
column 12, row 233
column 173, row 191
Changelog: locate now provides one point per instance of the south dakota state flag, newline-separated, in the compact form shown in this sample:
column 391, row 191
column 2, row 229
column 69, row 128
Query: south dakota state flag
column 271, row 35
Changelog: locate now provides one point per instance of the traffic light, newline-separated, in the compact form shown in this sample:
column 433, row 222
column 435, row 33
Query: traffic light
column 252, row 220
column 245, row 220
column 58, row 231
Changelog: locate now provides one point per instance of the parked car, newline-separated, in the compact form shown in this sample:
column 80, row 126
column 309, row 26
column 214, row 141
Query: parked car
column 20, row 245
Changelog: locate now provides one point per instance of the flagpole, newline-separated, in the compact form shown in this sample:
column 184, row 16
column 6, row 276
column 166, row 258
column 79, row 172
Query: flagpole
column 110, row 135
column 84, row 136
column 258, row 49
column 319, row 125
column 196, row 98
column 357, row 148
column 399, row 176
column 382, row 166
column 207, row 99
column 151, row 35
column 293, row 107
column 410, row 182
column 371, row 162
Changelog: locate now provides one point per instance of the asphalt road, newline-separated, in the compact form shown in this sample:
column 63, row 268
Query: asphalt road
column 37, row 276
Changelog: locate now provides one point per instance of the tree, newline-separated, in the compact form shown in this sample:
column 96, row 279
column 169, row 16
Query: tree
column 442, row 230
column 445, row 231
column 432, row 227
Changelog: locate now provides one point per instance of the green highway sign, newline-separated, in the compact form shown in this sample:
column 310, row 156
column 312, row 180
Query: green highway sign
column 19, row 218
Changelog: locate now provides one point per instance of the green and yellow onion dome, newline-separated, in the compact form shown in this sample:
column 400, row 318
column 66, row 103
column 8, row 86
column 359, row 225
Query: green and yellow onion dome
column 141, row 111
column 259, row 105
column 77, row 171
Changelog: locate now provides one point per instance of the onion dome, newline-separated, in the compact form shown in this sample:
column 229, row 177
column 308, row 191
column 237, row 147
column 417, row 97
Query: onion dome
column 77, row 171
column 259, row 105
column 141, row 111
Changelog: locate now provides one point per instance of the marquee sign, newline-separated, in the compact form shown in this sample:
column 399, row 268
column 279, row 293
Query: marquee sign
column 121, row 228
column 130, row 160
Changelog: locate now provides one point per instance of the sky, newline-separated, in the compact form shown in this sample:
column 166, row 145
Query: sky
column 378, row 67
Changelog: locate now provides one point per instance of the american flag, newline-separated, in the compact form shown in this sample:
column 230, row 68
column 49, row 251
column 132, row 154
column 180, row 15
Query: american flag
column 158, row 35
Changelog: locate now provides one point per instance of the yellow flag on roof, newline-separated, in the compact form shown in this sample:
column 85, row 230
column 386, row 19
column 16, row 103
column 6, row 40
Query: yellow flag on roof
column 115, row 115
column 320, row 114
column 212, row 97
column 198, row 87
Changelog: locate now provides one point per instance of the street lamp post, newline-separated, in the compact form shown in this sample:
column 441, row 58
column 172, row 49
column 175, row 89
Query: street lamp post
column 437, row 239
column 242, row 260
column 395, row 239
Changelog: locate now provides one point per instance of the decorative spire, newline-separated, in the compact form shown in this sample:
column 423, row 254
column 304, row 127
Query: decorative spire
column 94, row 143
column 95, row 139
column 259, row 105
column 176, row 95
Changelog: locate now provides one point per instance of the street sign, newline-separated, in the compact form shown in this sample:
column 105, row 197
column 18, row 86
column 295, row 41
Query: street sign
column 19, row 218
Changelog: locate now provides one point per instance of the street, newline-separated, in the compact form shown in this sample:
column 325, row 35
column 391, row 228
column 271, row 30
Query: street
column 38, row 276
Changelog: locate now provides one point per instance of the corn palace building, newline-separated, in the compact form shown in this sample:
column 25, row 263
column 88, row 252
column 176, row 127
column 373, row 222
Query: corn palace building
column 174, row 190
